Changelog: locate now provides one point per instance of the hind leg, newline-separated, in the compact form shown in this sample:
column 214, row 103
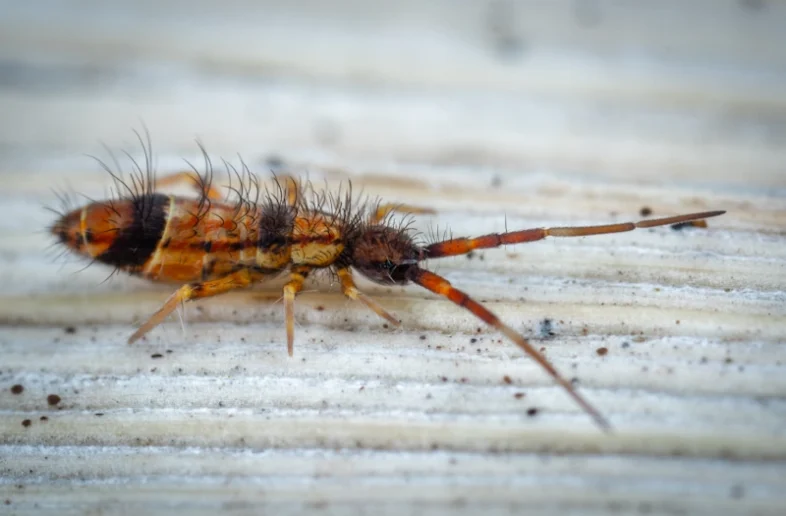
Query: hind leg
column 202, row 185
column 236, row 280
column 383, row 210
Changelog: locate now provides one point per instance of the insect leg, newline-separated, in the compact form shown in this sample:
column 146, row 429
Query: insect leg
column 441, row 286
column 458, row 246
column 383, row 210
column 351, row 291
column 239, row 279
column 189, row 176
column 296, row 278
column 291, row 187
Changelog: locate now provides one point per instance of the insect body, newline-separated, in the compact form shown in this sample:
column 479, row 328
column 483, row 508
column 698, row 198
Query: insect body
column 210, row 246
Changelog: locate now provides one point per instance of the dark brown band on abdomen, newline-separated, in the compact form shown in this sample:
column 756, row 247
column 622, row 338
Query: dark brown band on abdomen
column 136, row 242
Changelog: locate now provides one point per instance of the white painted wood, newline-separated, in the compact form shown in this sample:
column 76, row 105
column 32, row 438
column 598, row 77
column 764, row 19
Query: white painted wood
column 497, row 114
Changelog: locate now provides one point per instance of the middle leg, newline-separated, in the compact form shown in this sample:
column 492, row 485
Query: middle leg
column 297, row 277
column 236, row 280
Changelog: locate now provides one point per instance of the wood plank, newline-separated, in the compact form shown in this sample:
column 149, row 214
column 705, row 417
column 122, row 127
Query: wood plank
column 497, row 114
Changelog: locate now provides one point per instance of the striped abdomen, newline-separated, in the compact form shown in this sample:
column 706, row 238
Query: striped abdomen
column 163, row 238
column 174, row 239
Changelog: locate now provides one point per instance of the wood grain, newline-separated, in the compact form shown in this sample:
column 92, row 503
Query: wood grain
column 497, row 114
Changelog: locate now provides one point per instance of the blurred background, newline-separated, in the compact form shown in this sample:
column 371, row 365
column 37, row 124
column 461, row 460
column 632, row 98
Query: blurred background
column 499, row 114
column 659, row 91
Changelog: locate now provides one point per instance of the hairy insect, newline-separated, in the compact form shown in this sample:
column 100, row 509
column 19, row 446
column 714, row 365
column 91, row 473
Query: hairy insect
column 211, row 245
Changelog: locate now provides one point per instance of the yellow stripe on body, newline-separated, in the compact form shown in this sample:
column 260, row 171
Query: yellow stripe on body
column 149, row 267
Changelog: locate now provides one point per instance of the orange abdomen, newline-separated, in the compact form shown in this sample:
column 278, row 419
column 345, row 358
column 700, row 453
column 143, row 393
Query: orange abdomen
column 162, row 238
column 199, row 244
column 173, row 239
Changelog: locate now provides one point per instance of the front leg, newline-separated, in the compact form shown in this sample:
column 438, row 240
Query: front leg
column 352, row 292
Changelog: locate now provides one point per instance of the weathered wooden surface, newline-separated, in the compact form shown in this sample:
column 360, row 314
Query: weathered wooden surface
column 496, row 114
